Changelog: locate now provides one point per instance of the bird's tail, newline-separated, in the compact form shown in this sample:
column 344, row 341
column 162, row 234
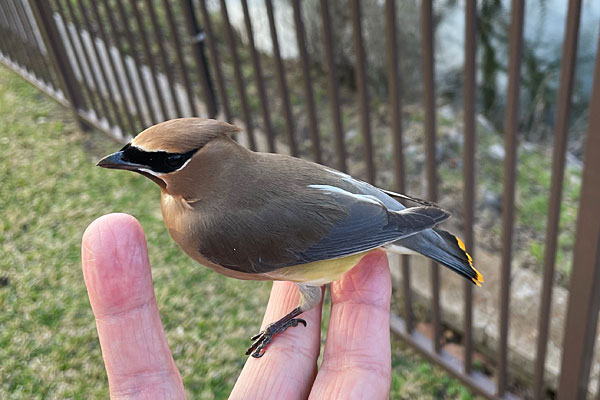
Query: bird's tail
column 446, row 249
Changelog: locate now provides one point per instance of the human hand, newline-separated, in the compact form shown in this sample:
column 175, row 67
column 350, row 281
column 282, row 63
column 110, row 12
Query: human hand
column 357, row 356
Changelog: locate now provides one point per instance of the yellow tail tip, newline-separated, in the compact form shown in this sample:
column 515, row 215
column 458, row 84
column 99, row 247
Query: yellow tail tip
column 461, row 245
column 479, row 279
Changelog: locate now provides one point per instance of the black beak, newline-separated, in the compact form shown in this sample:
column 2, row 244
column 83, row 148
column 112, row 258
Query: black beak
column 115, row 161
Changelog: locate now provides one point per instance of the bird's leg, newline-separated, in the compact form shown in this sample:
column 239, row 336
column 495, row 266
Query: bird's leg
column 262, row 339
column 310, row 296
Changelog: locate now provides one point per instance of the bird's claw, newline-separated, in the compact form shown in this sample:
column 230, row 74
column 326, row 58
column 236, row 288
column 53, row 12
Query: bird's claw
column 262, row 339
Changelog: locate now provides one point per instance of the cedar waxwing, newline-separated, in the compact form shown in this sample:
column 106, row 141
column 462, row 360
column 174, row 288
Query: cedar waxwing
column 264, row 216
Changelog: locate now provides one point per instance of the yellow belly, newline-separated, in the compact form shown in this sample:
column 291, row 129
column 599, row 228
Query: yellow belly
column 317, row 273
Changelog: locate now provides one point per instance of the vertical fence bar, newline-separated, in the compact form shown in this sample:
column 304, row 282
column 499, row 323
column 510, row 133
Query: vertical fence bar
column 408, row 312
column 396, row 118
column 149, row 117
column 28, row 42
column 20, row 52
column 88, row 61
column 561, row 128
column 119, row 84
column 39, row 64
column 2, row 38
column 164, row 58
column 176, row 43
column 259, row 80
column 196, row 32
column 239, row 82
column 15, row 56
column 511, row 127
column 123, row 61
column 47, row 67
column 4, row 48
column 363, row 94
column 332, row 86
column 42, row 13
column 19, row 31
column 114, row 105
column 584, row 288
column 212, row 46
column 71, row 41
column 26, row 58
column 394, row 93
column 15, row 49
column 429, row 100
column 150, row 60
column 16, row 20
column 308, row 90
column 283, row 87
column 469, row 166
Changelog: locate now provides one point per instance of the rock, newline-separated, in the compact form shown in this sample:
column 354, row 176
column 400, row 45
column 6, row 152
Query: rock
column 496, row 151
column 484, row 122
column 492, row 200
column 351, row 134
column 447, row 112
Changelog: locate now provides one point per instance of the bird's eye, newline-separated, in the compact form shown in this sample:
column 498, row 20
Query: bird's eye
column 175, row 161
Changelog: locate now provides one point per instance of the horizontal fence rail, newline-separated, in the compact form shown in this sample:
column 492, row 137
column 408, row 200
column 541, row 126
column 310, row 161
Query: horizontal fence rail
column 123, row 65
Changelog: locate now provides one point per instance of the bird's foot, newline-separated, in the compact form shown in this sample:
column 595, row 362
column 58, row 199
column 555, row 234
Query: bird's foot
column 262, row 340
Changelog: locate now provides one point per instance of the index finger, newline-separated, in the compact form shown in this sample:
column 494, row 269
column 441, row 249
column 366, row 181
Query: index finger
column 119, row 283
column 357, row 356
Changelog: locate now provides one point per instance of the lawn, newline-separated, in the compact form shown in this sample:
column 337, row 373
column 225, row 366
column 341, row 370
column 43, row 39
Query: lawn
column 50, row 192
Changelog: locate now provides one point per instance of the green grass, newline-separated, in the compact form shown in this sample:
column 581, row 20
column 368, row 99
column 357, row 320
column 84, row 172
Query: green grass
column 50, row 192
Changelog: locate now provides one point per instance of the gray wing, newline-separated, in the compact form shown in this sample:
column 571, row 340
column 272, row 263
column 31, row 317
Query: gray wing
column 368, row 225
column 323, row 222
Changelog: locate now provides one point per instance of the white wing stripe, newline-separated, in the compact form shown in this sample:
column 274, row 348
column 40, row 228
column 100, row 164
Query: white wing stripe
column 360, row 197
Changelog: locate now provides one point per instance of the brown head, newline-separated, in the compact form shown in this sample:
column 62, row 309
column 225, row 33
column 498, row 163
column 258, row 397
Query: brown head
column 176, row 154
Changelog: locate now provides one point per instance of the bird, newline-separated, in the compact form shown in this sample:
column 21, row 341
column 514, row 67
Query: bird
column 266, row 216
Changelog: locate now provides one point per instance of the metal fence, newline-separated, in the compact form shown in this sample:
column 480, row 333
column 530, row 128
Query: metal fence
column 125, row 65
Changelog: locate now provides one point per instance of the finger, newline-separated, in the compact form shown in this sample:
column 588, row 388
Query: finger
column 119, row 283
column 357, row 355
column 289, row 365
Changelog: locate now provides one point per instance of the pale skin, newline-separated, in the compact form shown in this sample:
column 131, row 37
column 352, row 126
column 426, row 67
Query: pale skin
column 357, row 356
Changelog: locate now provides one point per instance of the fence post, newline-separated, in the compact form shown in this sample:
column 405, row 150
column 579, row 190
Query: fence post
column 198, row 36
column 57, row 54
column 584, row 288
